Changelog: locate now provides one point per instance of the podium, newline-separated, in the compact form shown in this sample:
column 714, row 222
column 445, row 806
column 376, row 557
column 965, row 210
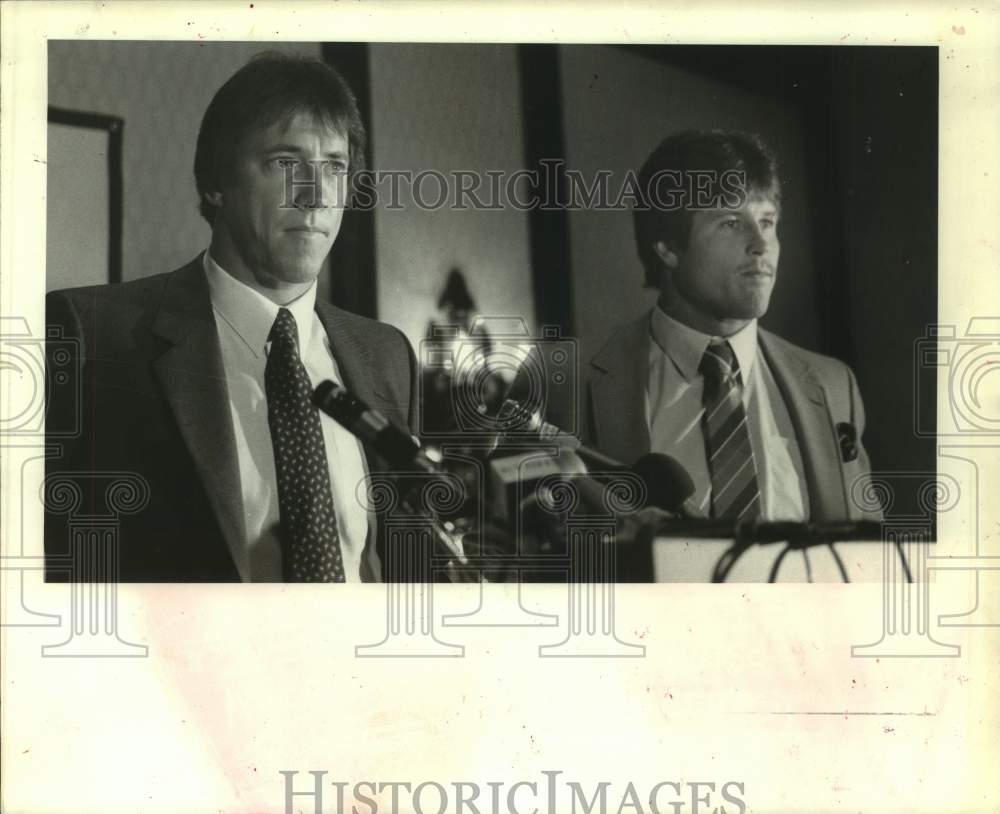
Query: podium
column 694, row 560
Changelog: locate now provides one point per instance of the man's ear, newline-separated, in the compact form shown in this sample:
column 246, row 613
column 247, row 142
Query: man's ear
column 668, row 256
column 214, row 198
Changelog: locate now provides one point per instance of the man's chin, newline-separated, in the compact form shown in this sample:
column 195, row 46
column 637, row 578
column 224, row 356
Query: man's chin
column 753, row 307
column 299, row 274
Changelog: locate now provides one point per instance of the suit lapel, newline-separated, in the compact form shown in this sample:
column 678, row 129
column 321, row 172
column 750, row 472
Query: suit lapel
column 806, row 401
column 356, row 366
column 191, row 373
column 618, row 390
column 354, row 361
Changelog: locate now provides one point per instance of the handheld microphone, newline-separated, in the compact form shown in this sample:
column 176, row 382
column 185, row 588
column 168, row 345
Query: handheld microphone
column 368, row 424
column 519, row 419
column 668, row 484
column 398, row 448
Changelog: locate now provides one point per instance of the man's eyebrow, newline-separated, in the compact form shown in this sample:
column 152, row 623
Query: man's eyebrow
column 722, row 212
column 294, row 148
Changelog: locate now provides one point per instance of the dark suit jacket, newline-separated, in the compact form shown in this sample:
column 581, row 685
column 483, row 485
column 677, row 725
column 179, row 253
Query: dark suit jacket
column 820, row 393
column 154, row 402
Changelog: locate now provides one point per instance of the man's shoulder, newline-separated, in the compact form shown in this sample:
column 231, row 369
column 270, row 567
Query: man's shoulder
column 780, row 349
column 377, row 336
column 357, row 323
column 624, row 341
column 139, row 292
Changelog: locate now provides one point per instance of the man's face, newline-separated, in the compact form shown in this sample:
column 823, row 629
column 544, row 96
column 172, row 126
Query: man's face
column 267, row 233
column 725, row 276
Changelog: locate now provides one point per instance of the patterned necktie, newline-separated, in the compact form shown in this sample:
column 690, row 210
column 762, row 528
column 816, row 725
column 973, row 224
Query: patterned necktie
column 735, row 492
column 310, row 545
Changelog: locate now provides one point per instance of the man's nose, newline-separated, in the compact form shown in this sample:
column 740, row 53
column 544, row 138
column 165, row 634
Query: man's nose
column 309, row 194
column 756, row 242
column 310, row 186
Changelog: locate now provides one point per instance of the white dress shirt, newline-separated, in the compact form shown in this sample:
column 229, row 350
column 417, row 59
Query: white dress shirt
column 674, row 410
column 243, row 320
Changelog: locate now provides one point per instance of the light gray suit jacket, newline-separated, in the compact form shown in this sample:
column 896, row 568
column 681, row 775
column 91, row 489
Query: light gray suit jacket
column 821, row 395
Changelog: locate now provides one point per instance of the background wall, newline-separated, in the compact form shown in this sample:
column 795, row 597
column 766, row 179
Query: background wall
column 448, row 108
column 883, row 251
column 78, row 206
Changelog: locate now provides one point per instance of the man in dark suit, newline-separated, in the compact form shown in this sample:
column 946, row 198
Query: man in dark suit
column 198, row 380
column 766, row 429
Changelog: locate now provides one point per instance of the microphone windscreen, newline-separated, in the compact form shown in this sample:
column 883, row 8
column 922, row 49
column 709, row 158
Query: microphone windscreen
column 336, row 402
column 668, row 483
column 514, row 417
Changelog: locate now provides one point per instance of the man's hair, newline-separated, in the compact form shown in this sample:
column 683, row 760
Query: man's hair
column 664, row 183
column 271, row 88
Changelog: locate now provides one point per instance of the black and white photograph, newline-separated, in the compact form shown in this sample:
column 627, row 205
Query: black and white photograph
column 506, row 238
column 640, row 391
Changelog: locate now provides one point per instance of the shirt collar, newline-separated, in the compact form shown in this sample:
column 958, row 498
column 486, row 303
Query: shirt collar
column 249, row 312
column 685, row 346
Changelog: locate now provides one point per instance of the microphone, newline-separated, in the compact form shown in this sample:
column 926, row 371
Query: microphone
column 668, row 484
column 518, row 418
column 368, row 424
column 396, row 446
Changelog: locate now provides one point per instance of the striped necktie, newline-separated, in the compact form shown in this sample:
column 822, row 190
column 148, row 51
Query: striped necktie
column 735, row 492
column 310, row 543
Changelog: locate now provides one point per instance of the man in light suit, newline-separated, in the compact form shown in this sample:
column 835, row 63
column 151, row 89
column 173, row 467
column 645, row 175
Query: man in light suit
column 766, row 429
column 198, row 380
